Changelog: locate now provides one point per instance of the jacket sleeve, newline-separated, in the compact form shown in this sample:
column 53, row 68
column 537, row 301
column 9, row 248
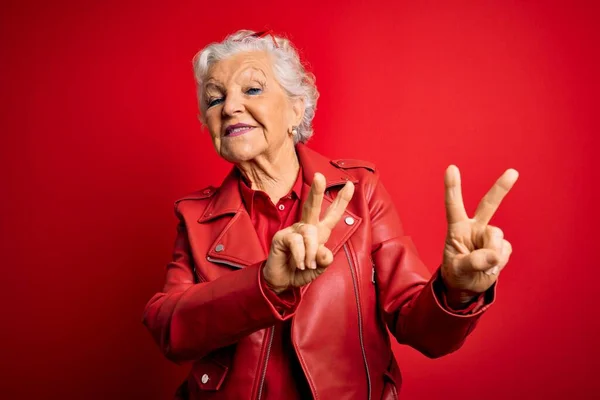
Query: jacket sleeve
column 188, row 320
column 411, row 299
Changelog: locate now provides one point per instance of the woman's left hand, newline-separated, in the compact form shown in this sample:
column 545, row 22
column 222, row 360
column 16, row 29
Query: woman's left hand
column 474, row 252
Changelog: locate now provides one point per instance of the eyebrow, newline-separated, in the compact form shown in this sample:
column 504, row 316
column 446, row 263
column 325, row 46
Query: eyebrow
column 257, row 70
column 213, row 82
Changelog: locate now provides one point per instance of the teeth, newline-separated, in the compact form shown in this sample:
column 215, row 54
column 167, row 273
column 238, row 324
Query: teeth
column 243, row 128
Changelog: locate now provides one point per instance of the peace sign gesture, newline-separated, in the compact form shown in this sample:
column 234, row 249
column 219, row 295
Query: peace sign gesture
column 298, row 254
column 474, row 252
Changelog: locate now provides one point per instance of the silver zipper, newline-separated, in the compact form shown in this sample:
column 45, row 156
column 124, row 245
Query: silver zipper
column 217, row 261
column 264, row 372
column 360, row 331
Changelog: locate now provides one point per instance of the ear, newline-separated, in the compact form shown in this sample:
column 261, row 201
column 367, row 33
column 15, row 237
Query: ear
column 298, row 108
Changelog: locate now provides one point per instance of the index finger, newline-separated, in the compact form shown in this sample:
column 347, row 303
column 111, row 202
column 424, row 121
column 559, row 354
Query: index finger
column 311, row 209
column 491, row 201
column 455, row 208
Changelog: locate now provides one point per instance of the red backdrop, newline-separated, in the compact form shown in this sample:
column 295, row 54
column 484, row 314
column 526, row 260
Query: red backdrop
column 100, row 136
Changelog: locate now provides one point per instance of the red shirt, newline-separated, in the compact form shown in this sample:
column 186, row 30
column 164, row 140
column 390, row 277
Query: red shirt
column 284, row 378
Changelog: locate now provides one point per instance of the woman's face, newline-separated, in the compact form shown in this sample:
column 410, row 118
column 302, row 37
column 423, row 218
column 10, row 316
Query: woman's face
column 247, row 112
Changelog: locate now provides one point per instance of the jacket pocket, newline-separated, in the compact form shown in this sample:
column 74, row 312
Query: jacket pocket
column 208, row 374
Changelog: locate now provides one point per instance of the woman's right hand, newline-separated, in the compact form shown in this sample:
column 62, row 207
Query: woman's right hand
column 298, row 254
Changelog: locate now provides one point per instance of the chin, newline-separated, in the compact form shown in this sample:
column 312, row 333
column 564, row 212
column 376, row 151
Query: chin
column 236, row 150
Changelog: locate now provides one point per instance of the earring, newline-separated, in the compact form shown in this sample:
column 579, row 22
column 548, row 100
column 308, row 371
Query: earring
column 294, row 130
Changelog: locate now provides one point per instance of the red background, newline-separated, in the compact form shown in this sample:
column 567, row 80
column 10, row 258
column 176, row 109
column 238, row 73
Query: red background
column 100, row 136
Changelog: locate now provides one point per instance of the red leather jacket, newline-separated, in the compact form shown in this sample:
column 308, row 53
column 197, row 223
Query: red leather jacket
column 214, row 311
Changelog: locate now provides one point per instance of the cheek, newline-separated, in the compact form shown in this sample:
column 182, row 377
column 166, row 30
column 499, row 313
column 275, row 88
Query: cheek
column 213, row 123
column 270, row 114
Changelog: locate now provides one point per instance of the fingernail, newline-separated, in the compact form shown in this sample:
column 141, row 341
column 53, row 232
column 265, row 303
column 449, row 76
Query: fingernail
column 301, row 266
column 493, row 270
column 313, row 265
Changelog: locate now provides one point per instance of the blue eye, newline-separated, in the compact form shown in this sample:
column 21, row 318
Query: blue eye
column 254, row 91
column 214, row 102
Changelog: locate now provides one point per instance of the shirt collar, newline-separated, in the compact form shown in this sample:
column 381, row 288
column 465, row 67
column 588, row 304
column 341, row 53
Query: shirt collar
column 248, row 193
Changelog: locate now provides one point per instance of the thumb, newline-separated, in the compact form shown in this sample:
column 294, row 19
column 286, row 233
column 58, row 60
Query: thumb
column 478, row 260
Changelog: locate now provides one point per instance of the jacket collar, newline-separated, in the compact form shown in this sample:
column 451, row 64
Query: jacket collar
column 313, row 162
column 226, row 200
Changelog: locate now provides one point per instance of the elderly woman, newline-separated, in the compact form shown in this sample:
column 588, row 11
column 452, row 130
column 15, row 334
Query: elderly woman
column 284, row 278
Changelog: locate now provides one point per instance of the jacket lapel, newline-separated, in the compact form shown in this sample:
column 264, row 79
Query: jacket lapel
column 237, row 244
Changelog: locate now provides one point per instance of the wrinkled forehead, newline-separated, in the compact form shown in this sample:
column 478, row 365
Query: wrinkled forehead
column 241, row 67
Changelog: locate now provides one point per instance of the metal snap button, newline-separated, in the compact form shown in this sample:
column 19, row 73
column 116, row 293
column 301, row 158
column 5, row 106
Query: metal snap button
column 205, row 378
column 219, row 248
column 349, row 221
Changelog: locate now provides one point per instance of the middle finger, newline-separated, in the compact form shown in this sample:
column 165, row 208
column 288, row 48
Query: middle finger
column 491, row 201
column 336, row 209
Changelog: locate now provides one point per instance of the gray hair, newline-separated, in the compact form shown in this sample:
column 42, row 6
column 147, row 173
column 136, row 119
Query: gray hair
column 289, row 71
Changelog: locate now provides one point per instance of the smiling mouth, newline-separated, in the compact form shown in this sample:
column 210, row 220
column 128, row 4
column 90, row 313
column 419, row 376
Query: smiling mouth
column 237, row 130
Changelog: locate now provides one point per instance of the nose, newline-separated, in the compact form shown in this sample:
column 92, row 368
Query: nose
column 233, row 104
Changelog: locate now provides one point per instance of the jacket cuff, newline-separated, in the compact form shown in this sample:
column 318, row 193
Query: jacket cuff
column 285, row 303
column 475, row 307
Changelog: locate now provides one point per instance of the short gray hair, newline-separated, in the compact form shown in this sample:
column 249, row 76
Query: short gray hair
column 289, row 71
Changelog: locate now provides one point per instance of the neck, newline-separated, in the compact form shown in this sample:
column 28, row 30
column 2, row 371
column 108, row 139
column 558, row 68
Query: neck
column 274, row 172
